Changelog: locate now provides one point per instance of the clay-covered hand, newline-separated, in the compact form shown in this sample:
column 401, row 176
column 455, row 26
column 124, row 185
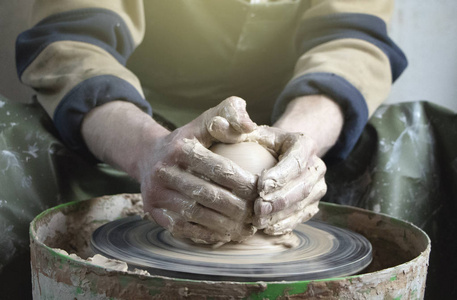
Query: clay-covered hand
column 291, row 190
column 193, row 192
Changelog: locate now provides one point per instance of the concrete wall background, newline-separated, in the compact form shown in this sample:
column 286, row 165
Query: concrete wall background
column 425, row 30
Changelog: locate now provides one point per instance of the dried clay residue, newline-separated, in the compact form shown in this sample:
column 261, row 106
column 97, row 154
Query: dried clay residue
column 104, row 262
column 75, row 234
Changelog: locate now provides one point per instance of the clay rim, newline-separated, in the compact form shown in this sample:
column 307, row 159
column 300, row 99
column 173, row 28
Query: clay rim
column 380, row 275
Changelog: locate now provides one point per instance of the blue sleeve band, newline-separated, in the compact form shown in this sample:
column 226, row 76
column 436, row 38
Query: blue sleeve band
column 316, row 31
column 350, row 100
column 90, row 93
column 100, row 27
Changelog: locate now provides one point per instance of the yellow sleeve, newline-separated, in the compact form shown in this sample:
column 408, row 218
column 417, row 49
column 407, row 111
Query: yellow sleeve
column 74, row 58
column 346, row 54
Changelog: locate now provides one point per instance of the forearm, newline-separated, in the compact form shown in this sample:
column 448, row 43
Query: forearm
column 116, row 133
column 316, row 116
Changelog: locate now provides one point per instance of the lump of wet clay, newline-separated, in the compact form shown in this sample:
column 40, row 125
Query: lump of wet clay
column 248, row 155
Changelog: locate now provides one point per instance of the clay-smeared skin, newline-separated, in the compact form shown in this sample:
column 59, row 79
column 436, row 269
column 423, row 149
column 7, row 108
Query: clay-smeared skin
column 200, row 195
column 195, row 193
column 256, row 159
column 289, row 193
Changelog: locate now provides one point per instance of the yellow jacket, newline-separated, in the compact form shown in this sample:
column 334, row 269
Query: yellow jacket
column 193, row 53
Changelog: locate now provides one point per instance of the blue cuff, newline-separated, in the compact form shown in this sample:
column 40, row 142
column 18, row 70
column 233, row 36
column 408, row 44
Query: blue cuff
column 90, row 93
column 316, row 31
column 349, row 98
column 96, row 26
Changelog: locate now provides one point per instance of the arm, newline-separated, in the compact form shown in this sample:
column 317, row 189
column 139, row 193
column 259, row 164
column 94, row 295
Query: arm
column 116, row 133
column 74, row 58
column 317, row 116
column 180, row 178
column 345, row 71
column 347, row 56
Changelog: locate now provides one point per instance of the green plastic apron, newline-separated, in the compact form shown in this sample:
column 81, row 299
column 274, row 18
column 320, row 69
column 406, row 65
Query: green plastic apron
column 197, row 53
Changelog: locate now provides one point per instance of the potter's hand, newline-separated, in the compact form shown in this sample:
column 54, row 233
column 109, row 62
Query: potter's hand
column 291, row 190
column 193, row 192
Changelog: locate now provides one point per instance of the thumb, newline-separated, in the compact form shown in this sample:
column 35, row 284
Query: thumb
column 225, row 122
column 233, row 109
column 219, row 128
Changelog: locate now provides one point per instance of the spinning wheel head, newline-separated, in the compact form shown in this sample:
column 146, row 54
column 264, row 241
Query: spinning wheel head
column 319, row 251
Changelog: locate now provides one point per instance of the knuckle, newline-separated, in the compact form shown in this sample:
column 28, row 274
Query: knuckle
column 279, row 203
column 320, row 165
column 150, row 194
column 322, row 188
column 306, row 190
column 236, row 101
column 218, row 124
column 305, row 142
column 163, row 172
column 186, row 147
column 191, row 211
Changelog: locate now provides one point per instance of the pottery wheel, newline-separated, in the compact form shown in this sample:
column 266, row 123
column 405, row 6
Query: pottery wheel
column 321, row 251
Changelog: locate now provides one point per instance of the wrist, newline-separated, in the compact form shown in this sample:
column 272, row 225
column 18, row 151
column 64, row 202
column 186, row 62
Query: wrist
column 119, row 133
column 316, row 116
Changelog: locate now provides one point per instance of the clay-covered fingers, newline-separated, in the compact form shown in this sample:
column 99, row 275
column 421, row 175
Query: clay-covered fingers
column 222, row 171
column 229, row 121
column 285, row 220
column 288, row 224
column 181, row 228
column 180, row 215
column 204, row 189
column 233, row 109
column 289, row 191
column 221, row 130
column 296, row 153
column 295, row 190
column 204, row 192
